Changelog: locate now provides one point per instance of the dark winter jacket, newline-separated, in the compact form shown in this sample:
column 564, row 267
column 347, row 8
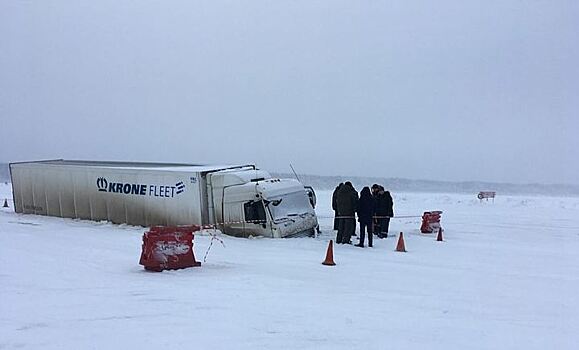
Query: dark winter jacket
column 366, row 206
column 335, row 197
column 347, row 200
column 390, row 204
column 384, row 204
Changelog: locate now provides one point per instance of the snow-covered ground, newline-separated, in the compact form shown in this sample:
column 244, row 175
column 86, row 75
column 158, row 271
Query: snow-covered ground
column 507, row 277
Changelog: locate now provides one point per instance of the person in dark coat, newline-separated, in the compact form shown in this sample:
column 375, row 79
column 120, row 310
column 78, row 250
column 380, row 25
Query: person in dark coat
column 335, row 205
column 390, row 204
column 347, row 206
column 375, row 222
column 384, row 211
column 365, row 216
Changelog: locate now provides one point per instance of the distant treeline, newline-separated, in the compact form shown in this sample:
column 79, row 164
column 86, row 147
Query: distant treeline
column 407, row 185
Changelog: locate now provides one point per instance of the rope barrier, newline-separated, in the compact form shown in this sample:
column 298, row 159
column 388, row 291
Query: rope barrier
column 213, row 237
column 373, row 217
column 214, row 226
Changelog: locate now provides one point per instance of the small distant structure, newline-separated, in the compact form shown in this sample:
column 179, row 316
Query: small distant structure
column 486, row 195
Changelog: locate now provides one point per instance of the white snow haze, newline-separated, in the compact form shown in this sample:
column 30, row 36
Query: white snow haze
column 442, row 90
column 435, row 100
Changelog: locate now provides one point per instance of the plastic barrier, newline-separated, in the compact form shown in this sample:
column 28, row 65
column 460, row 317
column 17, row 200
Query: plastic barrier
column 430, row 221
column 168, row 248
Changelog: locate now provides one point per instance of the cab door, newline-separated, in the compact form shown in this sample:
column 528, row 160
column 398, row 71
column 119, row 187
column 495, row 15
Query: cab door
column 256, row 220
column 244, row 212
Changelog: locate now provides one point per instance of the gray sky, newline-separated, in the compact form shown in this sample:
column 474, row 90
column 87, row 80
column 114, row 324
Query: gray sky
column 442, row 90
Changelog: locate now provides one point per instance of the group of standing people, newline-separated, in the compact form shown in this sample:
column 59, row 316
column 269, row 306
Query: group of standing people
column 374, row 208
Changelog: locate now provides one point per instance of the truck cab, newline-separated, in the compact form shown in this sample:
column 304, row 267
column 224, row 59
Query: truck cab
column 249, row 202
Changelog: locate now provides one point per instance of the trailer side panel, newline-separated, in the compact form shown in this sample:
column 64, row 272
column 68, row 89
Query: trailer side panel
column 121, row 195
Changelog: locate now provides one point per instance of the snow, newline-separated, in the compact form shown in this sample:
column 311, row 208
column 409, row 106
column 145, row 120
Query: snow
column 506, row 277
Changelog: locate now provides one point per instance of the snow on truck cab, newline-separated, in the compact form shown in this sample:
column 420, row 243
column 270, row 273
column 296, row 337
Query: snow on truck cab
column 240, row 200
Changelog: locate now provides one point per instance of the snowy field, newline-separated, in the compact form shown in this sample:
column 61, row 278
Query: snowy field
column 506, row 277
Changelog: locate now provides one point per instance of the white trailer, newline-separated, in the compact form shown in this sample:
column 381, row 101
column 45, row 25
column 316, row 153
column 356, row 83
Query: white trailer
column 240, row 200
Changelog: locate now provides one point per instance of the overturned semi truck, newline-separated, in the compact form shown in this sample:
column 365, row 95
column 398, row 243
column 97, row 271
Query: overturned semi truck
column 240, row 200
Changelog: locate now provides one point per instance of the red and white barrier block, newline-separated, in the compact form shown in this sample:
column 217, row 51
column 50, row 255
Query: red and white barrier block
column 168, row 248
column 430, row 221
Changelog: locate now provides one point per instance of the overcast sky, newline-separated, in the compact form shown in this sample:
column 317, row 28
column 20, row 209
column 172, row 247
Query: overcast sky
column 442, row 90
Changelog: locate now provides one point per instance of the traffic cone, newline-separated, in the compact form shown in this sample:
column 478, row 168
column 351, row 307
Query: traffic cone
column 330, row 255
column 5, row 203
column 400, row 246
column 439, row 237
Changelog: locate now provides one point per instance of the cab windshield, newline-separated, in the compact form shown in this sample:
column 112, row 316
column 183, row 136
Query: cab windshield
column 289, row 205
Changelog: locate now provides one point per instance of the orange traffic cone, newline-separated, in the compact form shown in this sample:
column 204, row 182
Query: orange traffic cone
column 400, row 246
column 439, row 237
column 5, row 203
column 330, row 255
